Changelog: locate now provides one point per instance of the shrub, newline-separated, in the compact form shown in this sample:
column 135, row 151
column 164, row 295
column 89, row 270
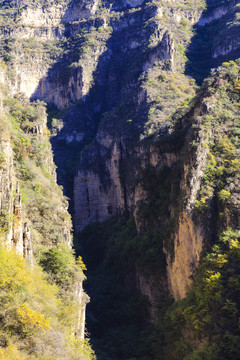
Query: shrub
column 33, row 318
column 10, row 352
column 224, row 195
column 30, row 320
column 60, row 265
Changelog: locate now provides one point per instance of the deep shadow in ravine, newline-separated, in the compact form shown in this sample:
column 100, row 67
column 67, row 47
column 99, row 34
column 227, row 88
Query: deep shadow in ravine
column 117, row 314
column 205, row 51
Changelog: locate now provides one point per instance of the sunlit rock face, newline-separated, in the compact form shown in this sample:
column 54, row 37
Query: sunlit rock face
column 117, row 74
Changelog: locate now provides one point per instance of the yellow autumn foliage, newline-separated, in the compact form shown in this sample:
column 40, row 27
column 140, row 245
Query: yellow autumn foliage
column 33, row 315
column 10, row 353
column 31, row 319
column 14, row 272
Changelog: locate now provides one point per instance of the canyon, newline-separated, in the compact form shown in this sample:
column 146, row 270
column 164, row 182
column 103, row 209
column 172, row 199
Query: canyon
column 139, row 100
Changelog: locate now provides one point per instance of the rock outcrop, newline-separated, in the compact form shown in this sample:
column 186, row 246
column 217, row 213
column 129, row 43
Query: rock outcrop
column 113, row 74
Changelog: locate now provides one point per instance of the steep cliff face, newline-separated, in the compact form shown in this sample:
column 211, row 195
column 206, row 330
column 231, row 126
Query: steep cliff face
column 188, row 209
column 34, row 222
column 215, row 212
column 216, row 38
column 7, row 184
column 13, row 230
column 106, row 181
column 130, row 139
column 130, row 115
column 87, row 61
column 30, row 38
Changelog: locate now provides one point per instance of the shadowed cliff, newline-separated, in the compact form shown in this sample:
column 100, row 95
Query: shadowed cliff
column 215, row 39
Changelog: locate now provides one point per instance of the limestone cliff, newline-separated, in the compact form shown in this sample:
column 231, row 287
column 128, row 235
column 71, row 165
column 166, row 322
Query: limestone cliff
column 117, row 69
column 107, row 174
column 34, row 216
column 126, row 123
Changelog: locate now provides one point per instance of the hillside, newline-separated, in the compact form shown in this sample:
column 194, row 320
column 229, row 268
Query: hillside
column 131, row 109
column 42, row 298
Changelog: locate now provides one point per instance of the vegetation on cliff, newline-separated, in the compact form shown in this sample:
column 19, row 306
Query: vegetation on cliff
column 205, row 324
column 36, row 322
column 207, row 320
column 148, row 153
column 41, row 295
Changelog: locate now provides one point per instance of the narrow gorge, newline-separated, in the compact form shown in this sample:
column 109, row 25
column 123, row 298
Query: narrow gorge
column 119, row 179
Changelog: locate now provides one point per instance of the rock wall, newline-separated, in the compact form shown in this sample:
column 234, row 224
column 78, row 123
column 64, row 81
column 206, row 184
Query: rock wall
column 22, row 223
column 215, row 46
column 38, row 25
column 107, row 71
column 99, row 194
column 14, row 230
